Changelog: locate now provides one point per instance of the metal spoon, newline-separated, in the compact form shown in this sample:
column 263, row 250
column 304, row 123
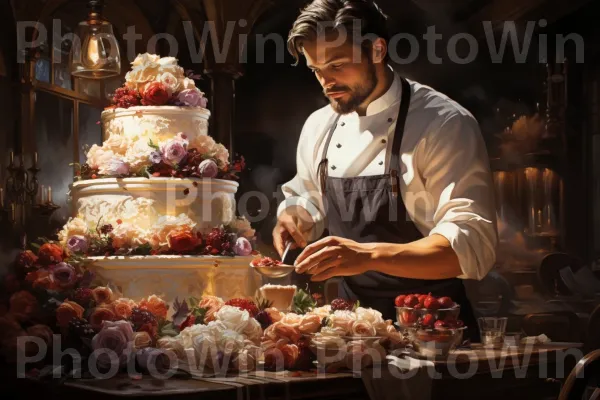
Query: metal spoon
column 287, row 249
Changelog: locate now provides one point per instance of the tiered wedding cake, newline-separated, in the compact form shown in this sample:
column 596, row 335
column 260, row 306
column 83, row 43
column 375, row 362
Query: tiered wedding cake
column 154, row 205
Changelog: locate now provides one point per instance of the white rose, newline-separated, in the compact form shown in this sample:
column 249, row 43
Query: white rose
column 205, row 347
column 171, row 344
column 204, row 144
column 187, row 335
column 98, row 157
column 342, row 319
column 246, row 359
column 118, row 144
column 253, row 331
column 369, row 315
column 145, row 59
column 73, row 227
column 321, row 311
column 222, row 154
column 170, row 82
column 138, row 155
column 230, row 342
column 234, row 318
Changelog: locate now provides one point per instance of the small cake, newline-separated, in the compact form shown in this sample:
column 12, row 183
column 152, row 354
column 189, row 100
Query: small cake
column 281, row 296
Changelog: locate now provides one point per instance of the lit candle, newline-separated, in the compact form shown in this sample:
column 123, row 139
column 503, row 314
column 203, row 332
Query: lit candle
column 50, row 194
column 12, row 157
column 1, row 198
column 35, row 159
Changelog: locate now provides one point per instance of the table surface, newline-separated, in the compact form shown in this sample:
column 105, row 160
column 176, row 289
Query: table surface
column 306, row 385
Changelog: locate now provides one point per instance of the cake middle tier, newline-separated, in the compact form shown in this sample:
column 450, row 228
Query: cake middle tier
column 148, row 202
column 158, row 123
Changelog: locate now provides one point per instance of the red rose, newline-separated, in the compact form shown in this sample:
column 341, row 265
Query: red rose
column 151, row 328
column 26, row 259
column 189, row 321
column 182, row 239
column 50, row 253
column 155, row 94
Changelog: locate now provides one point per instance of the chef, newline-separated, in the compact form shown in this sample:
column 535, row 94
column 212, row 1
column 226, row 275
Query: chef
column 395, row 172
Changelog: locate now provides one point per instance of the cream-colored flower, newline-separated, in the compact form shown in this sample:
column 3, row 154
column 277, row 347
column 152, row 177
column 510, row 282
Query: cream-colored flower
column 234, row 318
column 171, row 344
column 342, row 319
column 186, row 83
column 148, row 68
column 98, row 157
column 230, row 342
column 369, row 315
column 309, row 324
column 222, row 154
column 169, row 81
column 204, row 144
column 291, row 319
column 73, row 227
column 118, row 144
column 164, row 225
column 322, row 312
column 362, row 328
column 128, row 236
column 144, row 59
column 242, row 227
column 141, row 340
column 138, row 155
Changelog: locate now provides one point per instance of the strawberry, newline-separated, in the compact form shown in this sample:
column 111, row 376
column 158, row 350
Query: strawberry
column 446, row 302
column 399, row 301
column 440, row 324
column 244, row 304
column 428, row 320
column 422, row 298
column 411, row 301
column 431, row 303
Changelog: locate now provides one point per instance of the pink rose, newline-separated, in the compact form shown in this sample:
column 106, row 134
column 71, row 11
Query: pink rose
column 242, row 247
column 292, row 320
column 192, row 98
column 208, row 169
column 174, row 151
column 115, row 336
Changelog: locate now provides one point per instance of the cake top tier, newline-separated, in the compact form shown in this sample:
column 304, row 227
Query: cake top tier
column 156, row 81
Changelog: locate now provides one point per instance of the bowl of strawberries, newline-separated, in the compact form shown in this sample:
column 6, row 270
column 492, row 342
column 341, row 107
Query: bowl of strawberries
column 424, row 310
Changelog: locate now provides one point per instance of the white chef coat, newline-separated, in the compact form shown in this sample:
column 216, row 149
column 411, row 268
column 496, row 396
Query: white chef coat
column 446, row 181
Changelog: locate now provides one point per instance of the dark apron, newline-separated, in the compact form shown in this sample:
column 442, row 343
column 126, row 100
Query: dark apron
column 370, row 209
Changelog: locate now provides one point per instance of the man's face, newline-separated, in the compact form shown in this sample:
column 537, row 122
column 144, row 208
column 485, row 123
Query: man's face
column 347, row 83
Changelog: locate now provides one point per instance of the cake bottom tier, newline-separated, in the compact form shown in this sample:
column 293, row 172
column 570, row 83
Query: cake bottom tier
column 178, row 277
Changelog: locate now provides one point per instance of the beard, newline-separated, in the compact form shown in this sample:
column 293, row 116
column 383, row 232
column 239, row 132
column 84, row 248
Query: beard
column 358, row 93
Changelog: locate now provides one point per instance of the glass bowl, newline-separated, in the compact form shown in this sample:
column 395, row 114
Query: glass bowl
column 432, row 343
column 408, row 317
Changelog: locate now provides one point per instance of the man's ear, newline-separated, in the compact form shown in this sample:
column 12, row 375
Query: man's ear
column 379, row 50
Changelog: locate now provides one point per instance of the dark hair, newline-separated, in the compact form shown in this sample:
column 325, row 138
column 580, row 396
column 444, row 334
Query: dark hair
column 339, row 13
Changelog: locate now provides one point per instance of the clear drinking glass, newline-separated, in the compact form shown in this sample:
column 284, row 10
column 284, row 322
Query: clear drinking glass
column 492, row 331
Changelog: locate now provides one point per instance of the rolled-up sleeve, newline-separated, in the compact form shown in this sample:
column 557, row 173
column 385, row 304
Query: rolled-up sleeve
column 303, row 189
column 457, row 175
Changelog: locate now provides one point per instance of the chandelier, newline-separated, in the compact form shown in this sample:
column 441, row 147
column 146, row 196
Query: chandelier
column 95, row 55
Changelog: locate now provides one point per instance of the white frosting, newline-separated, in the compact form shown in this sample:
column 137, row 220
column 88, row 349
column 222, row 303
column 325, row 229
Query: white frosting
column 158, row 123
column 144, row 202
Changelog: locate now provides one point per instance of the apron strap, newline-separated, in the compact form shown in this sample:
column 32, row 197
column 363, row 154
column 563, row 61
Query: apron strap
column 324, row 163
column 399, row 130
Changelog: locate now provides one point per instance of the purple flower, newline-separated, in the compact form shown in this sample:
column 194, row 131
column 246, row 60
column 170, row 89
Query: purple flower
column 155, row 157
column 116, row 341
column 208, row 169
column 63, row 275
column 174, row 151
column 77, row 244
column 192, row 98
column 242, row 247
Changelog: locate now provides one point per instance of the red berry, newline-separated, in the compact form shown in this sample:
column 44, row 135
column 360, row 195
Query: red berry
column 244, row 304
column 399, row 301
column 446, row 302
column 411, row 301
column 418, row 306
column 340, row 304
column 422, row 298
column 428, row 320
column 440, row 324
column 431, row 303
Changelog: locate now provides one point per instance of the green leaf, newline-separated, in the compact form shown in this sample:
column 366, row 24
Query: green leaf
column 193, row 301
column 153, row 145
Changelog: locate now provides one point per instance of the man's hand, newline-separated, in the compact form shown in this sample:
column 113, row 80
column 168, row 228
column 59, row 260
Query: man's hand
column 335, row 256
column 293, row 224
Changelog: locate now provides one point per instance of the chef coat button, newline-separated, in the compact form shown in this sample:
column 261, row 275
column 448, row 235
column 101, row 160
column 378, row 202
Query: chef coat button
column 338, row 145
column 342, row 123
column 383, row 141
column 380, row 162
column 333, row 167
column 390, row 119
